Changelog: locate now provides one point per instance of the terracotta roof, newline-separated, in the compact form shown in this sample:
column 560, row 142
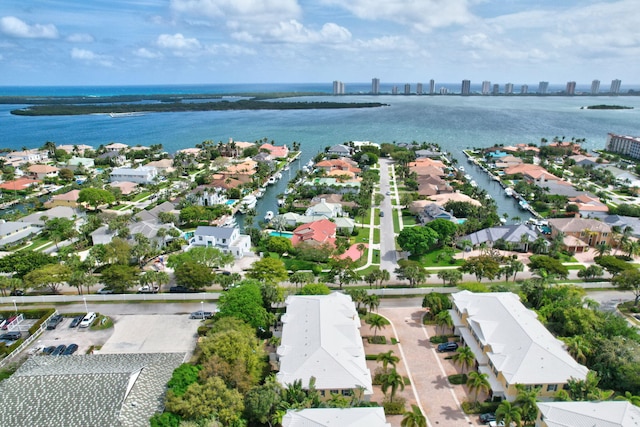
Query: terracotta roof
column 322, row 231
column 42, row 169
column 574, row 225
column 19, row 184
column 275, row 150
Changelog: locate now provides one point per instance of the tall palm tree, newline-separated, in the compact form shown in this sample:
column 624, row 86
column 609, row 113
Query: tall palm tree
column 630, row 397
column 376, row 322
column 391, row 380
column 413, row 418
column 444, row 319
column 464, row 357
column 387, row 358
column 527, row 401
column 578, row 348
column 372, row 301
column 509, row 413
column 478, row 382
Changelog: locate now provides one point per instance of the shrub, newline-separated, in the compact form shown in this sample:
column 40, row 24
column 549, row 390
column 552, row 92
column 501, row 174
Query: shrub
column 438, row 339
column 202, row 330
column 480, row 407
column 394, row 408
column 379, row 339
column 43, row 315
column 458, row 379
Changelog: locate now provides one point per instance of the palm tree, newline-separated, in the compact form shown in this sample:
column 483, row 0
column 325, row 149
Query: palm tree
column 444, row 319
column 413, row 418
column 376, row 322
column 387, row 359
column 478, row 382
column 630, row 397
column 464, row 357
column 391, row 380
column 508, row 413
column 372, row 301
column 515, row 266
column 578, row 348
column 527, row 401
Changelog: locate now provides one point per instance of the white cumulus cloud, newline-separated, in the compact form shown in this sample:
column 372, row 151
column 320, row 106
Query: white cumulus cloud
column 294, row 32
column 146, row 53
column 90, row 56
column 15, row 27
column 177, row 42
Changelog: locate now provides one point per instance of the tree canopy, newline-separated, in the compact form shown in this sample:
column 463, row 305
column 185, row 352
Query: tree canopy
column 417, row 240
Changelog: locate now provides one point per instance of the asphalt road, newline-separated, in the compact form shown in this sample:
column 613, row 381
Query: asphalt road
column 388, row 253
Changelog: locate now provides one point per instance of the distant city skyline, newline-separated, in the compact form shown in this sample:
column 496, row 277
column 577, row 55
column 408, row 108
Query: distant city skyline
column 135, row 42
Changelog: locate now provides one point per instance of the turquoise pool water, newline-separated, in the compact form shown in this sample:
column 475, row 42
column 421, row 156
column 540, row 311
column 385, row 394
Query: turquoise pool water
column 286, row 234
column 230, row 202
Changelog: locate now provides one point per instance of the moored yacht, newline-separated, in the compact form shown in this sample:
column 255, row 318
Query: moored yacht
column 268, row 217
column 247, row 203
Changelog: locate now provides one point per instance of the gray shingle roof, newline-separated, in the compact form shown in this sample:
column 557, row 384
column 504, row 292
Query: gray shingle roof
column 120, row 390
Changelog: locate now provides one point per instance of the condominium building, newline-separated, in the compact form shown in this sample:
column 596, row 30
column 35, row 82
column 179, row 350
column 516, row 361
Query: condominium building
column 466, row 87
column 625, row 145
column 419, row 88
column 508, row 89
column 486, row 87
column 432, row 87
column 595, row 87
column 512, row 346
column 524, row 89
column 338, row 87
column 615, row 86
column 444, row 91
column 543, row 87
column 394, row 90
column 375, row 86
column 570, row 89
column 496, row 89
column 407, row 89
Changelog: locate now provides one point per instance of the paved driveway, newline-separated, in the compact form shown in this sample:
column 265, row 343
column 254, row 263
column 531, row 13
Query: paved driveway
column 427, row 369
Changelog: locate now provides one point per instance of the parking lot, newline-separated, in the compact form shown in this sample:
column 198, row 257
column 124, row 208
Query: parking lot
column 63, row 334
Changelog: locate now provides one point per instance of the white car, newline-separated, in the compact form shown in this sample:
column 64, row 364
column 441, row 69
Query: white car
column 88, row 320
column 146, row 289
column 105, row 291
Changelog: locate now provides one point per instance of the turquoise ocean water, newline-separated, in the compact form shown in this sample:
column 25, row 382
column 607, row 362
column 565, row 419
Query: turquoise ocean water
column 454, row 122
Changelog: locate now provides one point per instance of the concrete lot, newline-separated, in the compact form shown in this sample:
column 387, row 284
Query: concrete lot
column 63, row 334
column 152, row 333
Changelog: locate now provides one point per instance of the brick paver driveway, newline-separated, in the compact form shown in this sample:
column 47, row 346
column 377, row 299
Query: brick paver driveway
column 427, row 369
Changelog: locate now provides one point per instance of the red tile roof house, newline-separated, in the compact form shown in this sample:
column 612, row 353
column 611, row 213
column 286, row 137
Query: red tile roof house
column 315, row 233
column 276, row 151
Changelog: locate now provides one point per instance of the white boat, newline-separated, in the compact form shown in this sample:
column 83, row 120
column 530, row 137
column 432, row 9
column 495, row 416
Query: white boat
column 523, row 204
column 473, row 183
column 278, row 176
column 280, row 202
column 260, row 193
column 229, row 222
column 272, row 180
column 268, row 217
column 130, row 114
column 461, row 168
column 508, row 191
column 247, row 203
column 286, row 168
column 468, row 177
column 503, row 220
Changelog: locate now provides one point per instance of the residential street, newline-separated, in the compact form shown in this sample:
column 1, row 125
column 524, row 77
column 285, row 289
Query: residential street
column 388, row 253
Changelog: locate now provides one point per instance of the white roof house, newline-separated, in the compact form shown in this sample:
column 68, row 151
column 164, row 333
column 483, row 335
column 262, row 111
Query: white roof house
column 141, row 175
column 511, row 345
column 601, row 414
column 321, row 339
column 329, row 210
column 332, row 417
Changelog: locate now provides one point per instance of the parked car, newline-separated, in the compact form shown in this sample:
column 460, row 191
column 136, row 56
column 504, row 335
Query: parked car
column 76, row 321
column 496, row 423
column 146, row 289
column 54, row 321
column 70, row 350
column 180, row 290
column 59, row 350
column 88, row 320
column 5, row 324
column 11, row 336
column 17, row 293
column 381, row 213
column 447, row 347
column 105, row 291
column 201, row 315
column 49, row 350
column 487, row 418
column 388, row 193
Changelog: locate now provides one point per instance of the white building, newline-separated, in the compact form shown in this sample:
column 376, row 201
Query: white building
column 321, row 339
column 226, row 239
column 17, row 158
column 605, row 414
column 625, row 145
column 511, row 345
column 336, row 417
column 486, row 87
column 141, row 175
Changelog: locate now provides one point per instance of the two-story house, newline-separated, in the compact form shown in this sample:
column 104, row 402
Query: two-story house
column 321, row 339
column 511, row 345
column 580, row 232
column 141, row 175
column 226, row 239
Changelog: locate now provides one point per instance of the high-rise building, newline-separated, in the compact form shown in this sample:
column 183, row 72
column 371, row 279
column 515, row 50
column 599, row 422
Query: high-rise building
column 338, row 87
column 407, row 89
column 508, row 89
column 432, row 87
column 595, row 87
column 496, row 89
column 625, row 145
column 466, row 87
column 543, row 87
column 486, row 87
column 444, row 91
column 524, row 89
column 571, row 88
column 375, row 86
column 615, row 87
column 394, row 90
column 419, row 88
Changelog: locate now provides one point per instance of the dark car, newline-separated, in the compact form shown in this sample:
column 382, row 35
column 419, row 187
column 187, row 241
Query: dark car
column 70, row 350
column 201, row 315
column 76, row 321
column 59, row 350
column 381, row 213
column 54, row 321
column 487, row 418
column 447, row 347
column 180, row 290
column 11, row 336
column 17, row 293
column 49, row 350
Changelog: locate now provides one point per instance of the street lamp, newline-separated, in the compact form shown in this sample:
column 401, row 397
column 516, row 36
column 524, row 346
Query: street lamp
column 15, row 307
column 202, row 308
column 85, row 304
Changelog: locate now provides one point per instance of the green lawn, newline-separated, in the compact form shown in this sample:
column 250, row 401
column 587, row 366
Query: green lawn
column 396, row 221
column 362, row 237
column 376, row 219
column 36, row 243
column 431, row 260
column 408, row 218
column 376, row 235
column 376, row 256
column 367, row 218
column 121, row 207
column 141, row 196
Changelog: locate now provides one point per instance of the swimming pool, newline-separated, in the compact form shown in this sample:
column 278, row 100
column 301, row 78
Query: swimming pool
column 230, row 202
column 286, row 234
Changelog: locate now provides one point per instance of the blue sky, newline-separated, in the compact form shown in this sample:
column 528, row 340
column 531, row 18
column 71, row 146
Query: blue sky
column 117, row 42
